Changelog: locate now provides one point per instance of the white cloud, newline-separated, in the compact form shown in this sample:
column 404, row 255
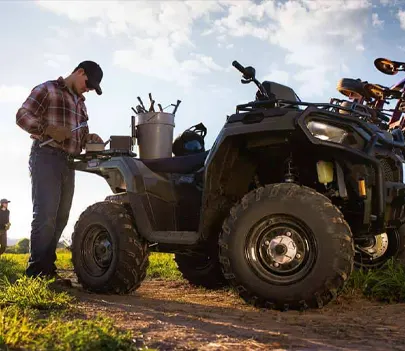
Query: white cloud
column 318, row 36
column 173, row 19
column 155, row 31
column 13, row 93
column 56, row 60
column 376, row 21
column 278, row 76
column 401, row 17
column 156, row 58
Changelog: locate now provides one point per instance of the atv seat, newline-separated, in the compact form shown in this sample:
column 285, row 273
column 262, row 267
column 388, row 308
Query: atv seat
column 179, row 164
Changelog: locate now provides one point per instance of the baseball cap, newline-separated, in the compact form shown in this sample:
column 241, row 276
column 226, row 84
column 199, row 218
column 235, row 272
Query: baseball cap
column 2, row 201
column 94, row 73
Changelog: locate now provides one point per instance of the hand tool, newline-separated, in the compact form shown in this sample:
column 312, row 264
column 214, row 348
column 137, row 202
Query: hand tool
column 81, row 125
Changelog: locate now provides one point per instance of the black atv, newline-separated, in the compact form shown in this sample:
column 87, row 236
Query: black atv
column 277, row 208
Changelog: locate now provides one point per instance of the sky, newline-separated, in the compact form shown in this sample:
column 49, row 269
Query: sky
column 178, row 50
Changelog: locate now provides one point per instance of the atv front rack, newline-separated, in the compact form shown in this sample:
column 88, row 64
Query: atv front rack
column 280, row 103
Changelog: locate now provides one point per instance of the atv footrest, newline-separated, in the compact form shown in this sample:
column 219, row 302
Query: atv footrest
column 174, row 237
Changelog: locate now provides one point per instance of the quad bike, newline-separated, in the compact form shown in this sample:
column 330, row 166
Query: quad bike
column 369, row 100
column 274, row 208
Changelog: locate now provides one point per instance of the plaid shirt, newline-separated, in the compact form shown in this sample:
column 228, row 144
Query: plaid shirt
column 53, row 103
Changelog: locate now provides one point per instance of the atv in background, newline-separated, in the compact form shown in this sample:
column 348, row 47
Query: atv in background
column 372, row 98
column 275, row 208
column 369, row 101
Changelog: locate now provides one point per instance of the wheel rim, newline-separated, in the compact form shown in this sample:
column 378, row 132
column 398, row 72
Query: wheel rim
column 376, row 251
column 97, row 251
column 280, row 249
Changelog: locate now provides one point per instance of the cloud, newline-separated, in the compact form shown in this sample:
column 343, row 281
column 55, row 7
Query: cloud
column 278, row 76
column 155, row 33
column 376, row 21
column 401, row 17
column 172, row 19
column 56, row 60
column 156, row 58
column 316, row 36
column 13, row 93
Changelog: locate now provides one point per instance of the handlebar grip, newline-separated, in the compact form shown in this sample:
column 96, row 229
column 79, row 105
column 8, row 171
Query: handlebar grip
column 238, row 66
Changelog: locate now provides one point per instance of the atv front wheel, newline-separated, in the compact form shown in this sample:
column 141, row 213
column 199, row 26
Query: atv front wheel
column 203, row 270
column 286, row 246
column 108, row 254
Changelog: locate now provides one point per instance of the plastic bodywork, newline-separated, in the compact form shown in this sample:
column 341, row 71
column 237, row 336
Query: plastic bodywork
column 177, row 210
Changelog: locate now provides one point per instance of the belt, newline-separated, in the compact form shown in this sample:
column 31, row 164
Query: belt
column 56, row 151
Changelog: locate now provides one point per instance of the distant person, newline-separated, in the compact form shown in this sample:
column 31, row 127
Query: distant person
column 52, row 110
column 4, row 224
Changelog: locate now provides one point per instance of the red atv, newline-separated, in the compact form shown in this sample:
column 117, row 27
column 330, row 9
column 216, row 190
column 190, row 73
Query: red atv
column 372, row 98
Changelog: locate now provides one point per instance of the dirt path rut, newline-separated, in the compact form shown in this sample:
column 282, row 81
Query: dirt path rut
column 174, row 316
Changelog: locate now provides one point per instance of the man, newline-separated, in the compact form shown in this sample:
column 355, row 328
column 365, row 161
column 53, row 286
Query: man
column 4, row 224
column 51, row 111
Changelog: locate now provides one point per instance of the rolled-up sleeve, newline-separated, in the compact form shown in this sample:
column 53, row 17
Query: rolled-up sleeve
column 29, row 115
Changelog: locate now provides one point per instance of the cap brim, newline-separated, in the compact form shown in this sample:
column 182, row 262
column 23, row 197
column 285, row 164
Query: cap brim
column 96, row 86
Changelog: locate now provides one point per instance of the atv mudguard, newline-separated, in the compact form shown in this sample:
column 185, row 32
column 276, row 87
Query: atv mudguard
column 153, row 198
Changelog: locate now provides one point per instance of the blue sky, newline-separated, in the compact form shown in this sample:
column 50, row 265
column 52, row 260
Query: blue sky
column 179, row 50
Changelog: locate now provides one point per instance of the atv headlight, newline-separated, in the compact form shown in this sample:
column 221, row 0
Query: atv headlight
column 327, row 132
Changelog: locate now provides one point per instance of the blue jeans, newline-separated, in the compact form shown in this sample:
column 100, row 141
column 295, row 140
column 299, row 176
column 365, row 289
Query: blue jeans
column 52, row 193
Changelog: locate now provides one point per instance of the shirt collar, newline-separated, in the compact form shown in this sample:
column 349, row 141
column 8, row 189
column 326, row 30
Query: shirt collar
column 62, row 84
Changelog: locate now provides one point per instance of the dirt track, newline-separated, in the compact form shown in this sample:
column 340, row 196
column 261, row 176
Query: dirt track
column 175, row 316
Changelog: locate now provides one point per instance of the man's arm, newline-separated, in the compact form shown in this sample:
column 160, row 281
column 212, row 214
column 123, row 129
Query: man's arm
column 29, row 115
column 8, row 224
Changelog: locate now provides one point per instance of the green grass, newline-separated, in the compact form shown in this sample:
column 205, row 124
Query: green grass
column 386, row 284
column 34, row 316
column 32, row 293
column 162, row 266
column 25, row 329
column 63, row 259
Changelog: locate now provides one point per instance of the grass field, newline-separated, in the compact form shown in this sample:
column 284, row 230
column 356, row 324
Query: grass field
column 33, row 316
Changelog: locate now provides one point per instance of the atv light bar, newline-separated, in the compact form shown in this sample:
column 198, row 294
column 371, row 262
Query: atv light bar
column 327, row 132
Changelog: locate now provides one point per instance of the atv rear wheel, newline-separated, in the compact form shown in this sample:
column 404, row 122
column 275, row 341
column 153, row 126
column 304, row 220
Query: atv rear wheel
column 380, row 249
column 108, row 254
column 286, row 246
column 203, row 270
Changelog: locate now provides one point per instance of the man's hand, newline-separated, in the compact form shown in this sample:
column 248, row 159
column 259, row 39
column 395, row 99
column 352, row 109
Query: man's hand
column 58, row 133
column 93, row 138
column 8, row 225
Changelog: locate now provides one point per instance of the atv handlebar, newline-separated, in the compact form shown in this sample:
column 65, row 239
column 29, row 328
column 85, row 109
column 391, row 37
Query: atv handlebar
column 249, row 76
column 239, row 67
